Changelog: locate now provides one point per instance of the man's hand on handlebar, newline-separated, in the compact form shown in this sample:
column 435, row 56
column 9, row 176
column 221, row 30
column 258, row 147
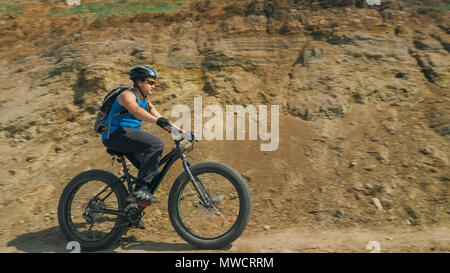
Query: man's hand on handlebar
column 172, row 128
column 189, row 136
column 176, row 129
column 167, row 125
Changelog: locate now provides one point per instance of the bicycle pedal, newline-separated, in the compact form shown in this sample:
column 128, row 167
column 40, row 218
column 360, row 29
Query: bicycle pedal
column 143, row 204
column 140, row 226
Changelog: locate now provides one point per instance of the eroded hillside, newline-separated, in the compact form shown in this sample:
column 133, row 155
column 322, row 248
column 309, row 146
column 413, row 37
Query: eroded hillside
column 363, row 94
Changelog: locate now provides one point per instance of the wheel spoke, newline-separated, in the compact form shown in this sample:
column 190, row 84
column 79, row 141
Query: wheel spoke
column 91, row 197
column 214, row 218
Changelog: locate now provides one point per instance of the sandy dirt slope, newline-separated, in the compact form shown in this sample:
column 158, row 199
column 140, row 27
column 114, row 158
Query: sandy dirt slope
column 364, row 124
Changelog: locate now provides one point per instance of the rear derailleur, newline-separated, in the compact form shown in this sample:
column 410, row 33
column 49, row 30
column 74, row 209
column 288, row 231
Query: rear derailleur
column 89, row 213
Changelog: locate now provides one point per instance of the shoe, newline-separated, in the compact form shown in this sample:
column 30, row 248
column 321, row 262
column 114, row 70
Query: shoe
column 143, row 195
column 140, row 225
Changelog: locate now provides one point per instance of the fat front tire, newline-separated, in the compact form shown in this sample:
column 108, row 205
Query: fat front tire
column 206, row 227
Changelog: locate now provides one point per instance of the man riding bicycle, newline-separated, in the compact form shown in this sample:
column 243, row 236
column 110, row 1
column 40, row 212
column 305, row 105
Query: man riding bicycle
column 115, row 204
column 125, row 132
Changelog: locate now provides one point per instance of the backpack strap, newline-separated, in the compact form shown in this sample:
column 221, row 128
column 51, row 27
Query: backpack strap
column 147, row 106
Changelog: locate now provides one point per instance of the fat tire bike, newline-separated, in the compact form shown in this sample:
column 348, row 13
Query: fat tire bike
column 209, row 203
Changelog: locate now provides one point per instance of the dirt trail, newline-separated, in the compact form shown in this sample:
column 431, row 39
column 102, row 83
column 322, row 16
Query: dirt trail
column 292, row 240
column 347, row 241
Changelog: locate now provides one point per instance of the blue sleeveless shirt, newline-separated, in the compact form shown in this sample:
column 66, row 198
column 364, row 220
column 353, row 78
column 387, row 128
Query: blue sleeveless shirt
column 126, row 120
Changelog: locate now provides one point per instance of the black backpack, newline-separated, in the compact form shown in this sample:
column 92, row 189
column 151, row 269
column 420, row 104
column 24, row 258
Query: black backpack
column 108, row 101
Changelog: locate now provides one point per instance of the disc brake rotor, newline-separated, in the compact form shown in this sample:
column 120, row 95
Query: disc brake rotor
column 214, row 207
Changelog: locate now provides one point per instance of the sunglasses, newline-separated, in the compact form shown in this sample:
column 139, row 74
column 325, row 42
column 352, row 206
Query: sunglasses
column 150, row 82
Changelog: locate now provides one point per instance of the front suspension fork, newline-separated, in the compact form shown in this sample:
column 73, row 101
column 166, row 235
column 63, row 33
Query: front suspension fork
column 198, row 185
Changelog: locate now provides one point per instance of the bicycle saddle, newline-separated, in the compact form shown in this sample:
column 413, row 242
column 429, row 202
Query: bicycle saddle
column 111, row 152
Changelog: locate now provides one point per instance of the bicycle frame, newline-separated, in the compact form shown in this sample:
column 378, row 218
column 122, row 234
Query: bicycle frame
column 167, row 162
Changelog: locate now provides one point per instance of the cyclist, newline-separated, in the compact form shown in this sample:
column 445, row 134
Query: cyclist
column 143, row 149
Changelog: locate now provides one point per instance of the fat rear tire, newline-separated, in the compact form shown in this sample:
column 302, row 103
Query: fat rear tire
column 64, row 209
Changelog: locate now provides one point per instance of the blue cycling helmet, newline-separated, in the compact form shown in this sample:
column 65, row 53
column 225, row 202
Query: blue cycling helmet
column 142, row 72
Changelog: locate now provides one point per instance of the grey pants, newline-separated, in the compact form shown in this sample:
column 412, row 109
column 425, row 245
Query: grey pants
column 143, row 149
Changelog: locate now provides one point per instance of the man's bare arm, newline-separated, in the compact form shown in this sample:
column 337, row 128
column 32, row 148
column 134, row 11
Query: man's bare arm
column 128, row 100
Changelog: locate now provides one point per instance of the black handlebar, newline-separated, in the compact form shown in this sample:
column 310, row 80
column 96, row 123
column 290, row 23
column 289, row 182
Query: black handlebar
column 189, row 136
